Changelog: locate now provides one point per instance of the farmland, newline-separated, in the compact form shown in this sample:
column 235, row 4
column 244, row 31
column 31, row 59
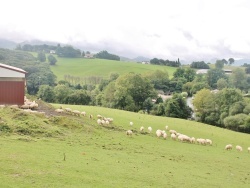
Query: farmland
column 76, row 152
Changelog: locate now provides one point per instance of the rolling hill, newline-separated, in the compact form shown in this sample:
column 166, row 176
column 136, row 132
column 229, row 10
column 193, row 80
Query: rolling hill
column 100, row 67
column 62, row 150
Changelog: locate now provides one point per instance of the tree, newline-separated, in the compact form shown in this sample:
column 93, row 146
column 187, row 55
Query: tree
column 222, row 83
column 239, row 79
column 61, row 93
column 147, row 104
column 231, row 61
column 46, row 93
column 83, row 53
column 219, row 64
column 213, row 75
column 52, row 60
column 105, row 55
column 189, row 74
column 41, row 57
column 199, row 65
column 225, row 62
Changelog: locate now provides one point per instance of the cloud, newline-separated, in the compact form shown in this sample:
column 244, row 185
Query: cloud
column 194, row 29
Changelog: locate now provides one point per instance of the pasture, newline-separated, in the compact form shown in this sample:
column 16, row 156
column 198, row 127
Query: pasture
column 84, row 154
column 80, row 67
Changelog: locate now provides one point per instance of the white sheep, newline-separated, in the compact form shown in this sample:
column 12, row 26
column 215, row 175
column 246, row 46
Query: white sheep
column 107, row 122
column 76, row 112
column 83, row 113
column 229, row 147
column 193, row 140
column 68, row 110
column 248, row 149
column 173, row 136
column 99, row 116
column 59, row 110
column 129, row 132
column 99, row 121
column 166, row 127
column 209, row 142
column 158, row 133
column 141, row 129
column 165, row 135
column 239, row 148
column 172, row 132
column 201, row 141
column 150, row 129
column 131, row 123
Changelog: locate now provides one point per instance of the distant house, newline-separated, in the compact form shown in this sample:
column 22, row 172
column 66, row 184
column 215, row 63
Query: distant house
column 12, row 85
column 202, row 71
column 52, row 51
column 145, row 62
column 89, row 56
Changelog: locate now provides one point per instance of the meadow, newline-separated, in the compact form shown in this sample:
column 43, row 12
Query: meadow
column 80, row 153
column 82, row 67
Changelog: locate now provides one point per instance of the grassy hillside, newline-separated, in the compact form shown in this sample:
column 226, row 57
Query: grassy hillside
column 78, row 152
column 101, row 67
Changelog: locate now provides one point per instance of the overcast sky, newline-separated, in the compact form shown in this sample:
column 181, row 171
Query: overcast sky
column 168, row 29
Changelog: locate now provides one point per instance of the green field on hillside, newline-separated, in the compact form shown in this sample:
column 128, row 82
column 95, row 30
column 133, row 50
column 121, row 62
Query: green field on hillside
column 81, row 153
column 100, row 67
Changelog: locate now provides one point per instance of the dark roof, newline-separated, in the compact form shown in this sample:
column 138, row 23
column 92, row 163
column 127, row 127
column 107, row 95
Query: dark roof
column 13, row 68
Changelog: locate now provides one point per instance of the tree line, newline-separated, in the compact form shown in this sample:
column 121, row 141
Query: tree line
column 156, row 61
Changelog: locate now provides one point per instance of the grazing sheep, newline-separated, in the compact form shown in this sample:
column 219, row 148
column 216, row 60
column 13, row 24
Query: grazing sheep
column 142, row 129
column 99, row 116
column 107, row 122
column 33, row 105
column 99, row 121
column 201, row 141
column 229, row 147
column 25, row 106
column 91, row 116
column 68, row 110
column 172, row 132
column 173, row 136
column 76, row 112
column 83, row 113
column 131, row 123
column 166, row 127
column 192, row 140
column 248, row 149
column 239, row 148
column 129, row 132
column 150, row 129
column 209, row 142
column 165, row 136
column 2, row 106
column 158, row 133
column 59, row 110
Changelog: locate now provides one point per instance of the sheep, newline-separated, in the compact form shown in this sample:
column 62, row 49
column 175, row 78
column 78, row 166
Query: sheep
column 149, row 129
column 208, row 142
column 76, row 112
column 107, row 122
column 173, row 136
column 33, row 105
column 172, row 132
column 129, row 132
column 83, row 113
column 2, row 106
column 110, row 120
column 99, row 116
column 25, row 106
column 158, row 133
column 201, row 141
column 238, row 148
column 68, row 110
column 59, row 110
column 166, row 127
column 248, row 149
column 131, row 123
column 193, row 140
column 165, row 136
column 229, row 147
column 99, row 121
column 142, row 129
column 91, row 116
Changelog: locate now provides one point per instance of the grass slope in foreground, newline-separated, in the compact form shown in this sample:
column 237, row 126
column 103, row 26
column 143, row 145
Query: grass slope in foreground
column 98, row 156
column 100, row 67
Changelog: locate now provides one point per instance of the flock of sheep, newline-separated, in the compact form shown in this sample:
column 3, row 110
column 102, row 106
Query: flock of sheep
column 182, row 137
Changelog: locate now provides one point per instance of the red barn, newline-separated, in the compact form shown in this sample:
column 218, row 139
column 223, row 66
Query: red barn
column 12, row 85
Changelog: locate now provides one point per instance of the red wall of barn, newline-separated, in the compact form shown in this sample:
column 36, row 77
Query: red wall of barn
column 12, row 92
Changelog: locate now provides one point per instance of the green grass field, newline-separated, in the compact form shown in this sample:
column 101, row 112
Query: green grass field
column 98, row 156
column 100, row 67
